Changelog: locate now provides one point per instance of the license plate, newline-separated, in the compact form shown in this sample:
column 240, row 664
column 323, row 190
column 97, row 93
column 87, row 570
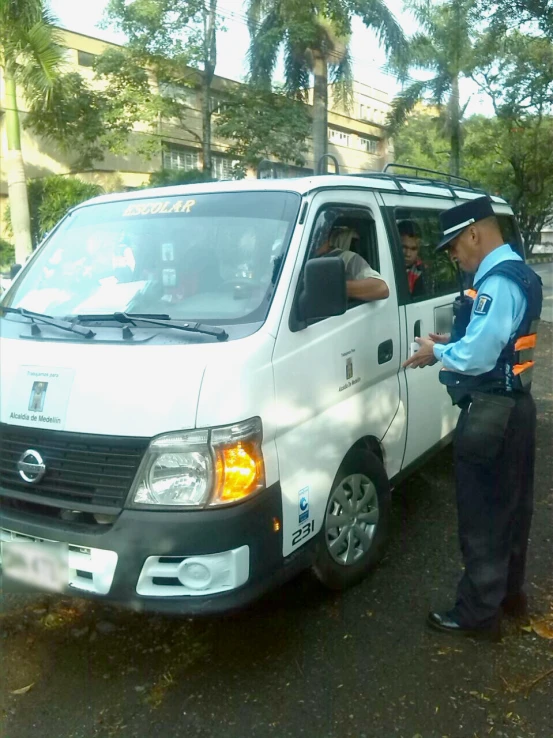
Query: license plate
column 37, row 564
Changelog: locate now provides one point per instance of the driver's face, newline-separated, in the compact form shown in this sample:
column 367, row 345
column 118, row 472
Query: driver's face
column 324, row 248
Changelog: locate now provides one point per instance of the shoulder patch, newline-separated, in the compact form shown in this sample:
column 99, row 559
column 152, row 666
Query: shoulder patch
column 483, row 304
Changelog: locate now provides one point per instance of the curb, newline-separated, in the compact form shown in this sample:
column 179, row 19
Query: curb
column 539, row 259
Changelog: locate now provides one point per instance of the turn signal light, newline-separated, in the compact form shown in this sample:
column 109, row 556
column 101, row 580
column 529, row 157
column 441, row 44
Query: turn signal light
column 240, row 472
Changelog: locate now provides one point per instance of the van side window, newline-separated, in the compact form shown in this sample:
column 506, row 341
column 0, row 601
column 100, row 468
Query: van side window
column 350, row 231
column 428, row 274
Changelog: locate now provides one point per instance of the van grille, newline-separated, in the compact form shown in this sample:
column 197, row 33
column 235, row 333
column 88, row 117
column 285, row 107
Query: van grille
column 83, row 472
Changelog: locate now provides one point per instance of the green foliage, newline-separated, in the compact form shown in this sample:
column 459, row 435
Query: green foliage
column 173, row 39
column 160, row 30
column 510, row 14
column 445, row 47
column 29, row 48
column 146, row 83
column 76, row 123
column 50, row 198
column 314, row 38
column 249, row 114
column 516, row 70
column 7, row 253
column 420, row 142
column 305, row 30
column 88, row 122
column 170, row 177
column 514, row 161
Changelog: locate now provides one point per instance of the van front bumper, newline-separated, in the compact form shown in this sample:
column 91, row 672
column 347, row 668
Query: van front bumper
column 190, row 562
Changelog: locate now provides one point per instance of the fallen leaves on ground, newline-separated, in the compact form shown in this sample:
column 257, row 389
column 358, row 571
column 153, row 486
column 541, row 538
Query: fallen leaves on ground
column 542, row 627
column 23, row 690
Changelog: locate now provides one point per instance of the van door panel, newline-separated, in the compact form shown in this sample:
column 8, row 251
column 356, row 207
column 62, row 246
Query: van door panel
column 331, row 389
column 430, row 414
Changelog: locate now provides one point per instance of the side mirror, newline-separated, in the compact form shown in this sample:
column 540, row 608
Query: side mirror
column 14, row 269
column 323, row 294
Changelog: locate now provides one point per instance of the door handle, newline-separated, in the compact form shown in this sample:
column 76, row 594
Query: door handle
column 417, row 331
column 385, row 351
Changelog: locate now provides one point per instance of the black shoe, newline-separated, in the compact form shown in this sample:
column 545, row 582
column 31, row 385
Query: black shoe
column 515, row 606
column 443, row 622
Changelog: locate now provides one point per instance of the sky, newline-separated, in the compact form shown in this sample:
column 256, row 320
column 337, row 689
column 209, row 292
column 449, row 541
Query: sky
column 368, row 57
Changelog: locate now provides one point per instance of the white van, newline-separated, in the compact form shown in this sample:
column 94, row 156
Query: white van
column 191, row 412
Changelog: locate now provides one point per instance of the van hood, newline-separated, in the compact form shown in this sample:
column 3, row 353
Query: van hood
column 103, row 388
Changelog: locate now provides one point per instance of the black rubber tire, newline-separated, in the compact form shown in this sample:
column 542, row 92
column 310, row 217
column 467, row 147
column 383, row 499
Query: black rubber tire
column 337, row 576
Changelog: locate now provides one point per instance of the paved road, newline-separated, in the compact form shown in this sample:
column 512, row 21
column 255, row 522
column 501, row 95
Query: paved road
column 546, row 273
column 301, row 663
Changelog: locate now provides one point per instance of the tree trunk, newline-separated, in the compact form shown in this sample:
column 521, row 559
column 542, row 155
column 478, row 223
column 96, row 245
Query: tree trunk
column 320, row 112
column 455, row 123
column 17, row 184
column 210, row 62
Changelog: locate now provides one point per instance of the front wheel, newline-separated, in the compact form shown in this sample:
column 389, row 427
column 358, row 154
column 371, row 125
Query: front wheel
column 356, row 523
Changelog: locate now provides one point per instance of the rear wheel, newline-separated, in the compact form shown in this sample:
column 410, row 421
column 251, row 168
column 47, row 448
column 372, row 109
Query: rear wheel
column 356, row 524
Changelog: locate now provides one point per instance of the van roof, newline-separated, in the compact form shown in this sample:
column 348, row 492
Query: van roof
column 303, row 185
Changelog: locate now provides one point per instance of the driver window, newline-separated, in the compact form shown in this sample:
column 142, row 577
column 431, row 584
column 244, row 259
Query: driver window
column 349, row 233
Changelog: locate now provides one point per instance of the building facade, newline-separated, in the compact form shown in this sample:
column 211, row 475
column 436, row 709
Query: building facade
column 356, row 137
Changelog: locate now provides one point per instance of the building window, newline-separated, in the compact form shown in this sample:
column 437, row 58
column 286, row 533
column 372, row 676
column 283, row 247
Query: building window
column 370, row 145
column 85, row 59
column 179, row 157
column 218, row 105
column 365, row 112
column 338, row 137
column 221, row 167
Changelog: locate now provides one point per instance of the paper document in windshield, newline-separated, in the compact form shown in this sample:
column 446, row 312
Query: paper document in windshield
column 110, row 297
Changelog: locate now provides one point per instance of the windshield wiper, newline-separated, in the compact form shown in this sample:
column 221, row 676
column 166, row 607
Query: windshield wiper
column 36, row 318
column 158, row 319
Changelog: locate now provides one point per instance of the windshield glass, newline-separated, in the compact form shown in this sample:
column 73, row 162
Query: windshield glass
column 211, row 258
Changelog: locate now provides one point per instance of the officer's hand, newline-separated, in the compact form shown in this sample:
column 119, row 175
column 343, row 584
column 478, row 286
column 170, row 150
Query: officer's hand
column 440, row 337
column 424, row 356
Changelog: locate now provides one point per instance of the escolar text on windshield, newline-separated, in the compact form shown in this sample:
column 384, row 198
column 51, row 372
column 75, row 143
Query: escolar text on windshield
column 159, row 208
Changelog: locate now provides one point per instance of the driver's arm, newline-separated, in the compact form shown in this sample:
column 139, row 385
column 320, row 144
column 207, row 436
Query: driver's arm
column 364, row 282
column 373, row 288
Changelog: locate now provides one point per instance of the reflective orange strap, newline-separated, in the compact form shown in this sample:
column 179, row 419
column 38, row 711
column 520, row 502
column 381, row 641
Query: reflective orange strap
column 471, row 293
column 519, row 368
column 526, row 342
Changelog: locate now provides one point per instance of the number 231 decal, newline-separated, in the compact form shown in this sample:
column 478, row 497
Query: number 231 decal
column 303, row 532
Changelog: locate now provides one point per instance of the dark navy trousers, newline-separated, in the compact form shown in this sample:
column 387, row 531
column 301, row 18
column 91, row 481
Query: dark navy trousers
column 495, row 505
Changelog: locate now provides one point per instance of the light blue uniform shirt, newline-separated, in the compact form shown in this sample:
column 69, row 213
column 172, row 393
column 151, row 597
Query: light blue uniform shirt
column 497, row 312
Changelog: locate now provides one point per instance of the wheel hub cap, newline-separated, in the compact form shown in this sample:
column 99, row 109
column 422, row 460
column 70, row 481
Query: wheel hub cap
column 351, row 519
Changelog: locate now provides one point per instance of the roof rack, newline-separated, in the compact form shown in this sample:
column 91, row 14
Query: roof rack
column 320, row 169
column 463, row 181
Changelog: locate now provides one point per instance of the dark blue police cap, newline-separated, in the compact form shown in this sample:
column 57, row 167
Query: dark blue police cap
column 455, row 220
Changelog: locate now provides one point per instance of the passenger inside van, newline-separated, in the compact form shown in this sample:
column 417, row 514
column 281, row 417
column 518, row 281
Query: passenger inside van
column 410, row 236
column 362, row 281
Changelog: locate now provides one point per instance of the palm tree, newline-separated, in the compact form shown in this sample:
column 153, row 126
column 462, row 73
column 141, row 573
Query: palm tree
column 315, row 37
column 29, row 59
column 445, row 47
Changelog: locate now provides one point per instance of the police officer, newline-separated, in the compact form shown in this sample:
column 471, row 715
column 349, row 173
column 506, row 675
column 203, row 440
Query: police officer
column 487, row 367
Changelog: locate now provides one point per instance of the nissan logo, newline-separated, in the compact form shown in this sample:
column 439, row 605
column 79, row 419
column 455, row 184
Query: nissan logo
column 31, row 467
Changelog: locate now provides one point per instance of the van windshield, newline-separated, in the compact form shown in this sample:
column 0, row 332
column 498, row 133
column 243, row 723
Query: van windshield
column 213, row 258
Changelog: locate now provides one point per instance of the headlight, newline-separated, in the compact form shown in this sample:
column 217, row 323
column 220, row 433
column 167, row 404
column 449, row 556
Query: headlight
column 202, row 468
